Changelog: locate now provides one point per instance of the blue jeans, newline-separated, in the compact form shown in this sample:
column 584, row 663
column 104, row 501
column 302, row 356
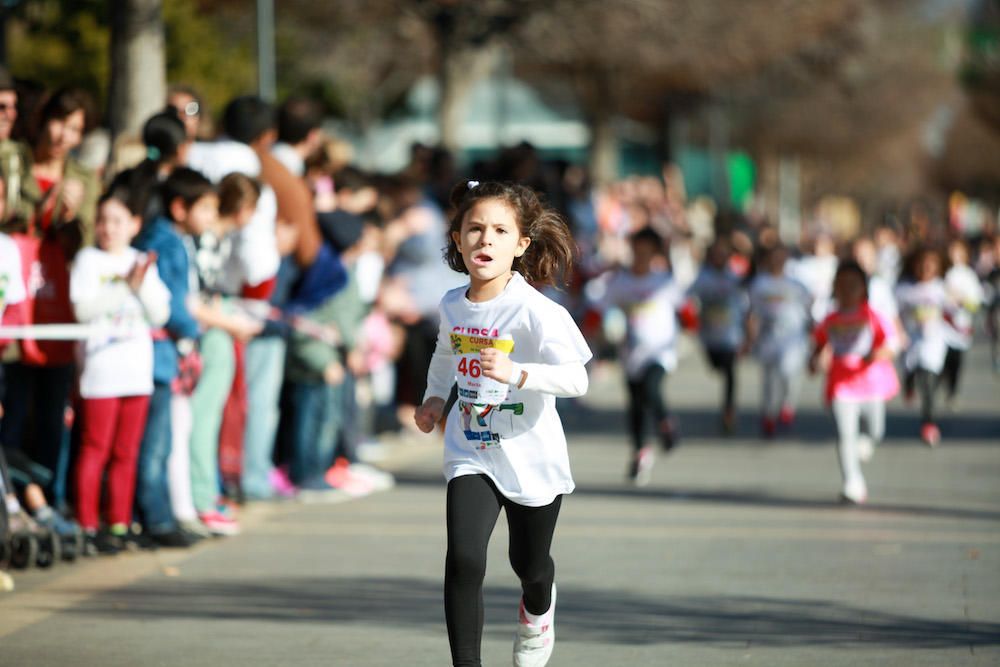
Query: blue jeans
column 317, row 417
column 152, row 493
column 265, row 369
column 43, row 390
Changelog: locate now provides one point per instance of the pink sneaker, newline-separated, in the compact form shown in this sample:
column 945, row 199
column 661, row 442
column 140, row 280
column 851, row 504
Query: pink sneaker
column 340, row 476
column 930, row 434
column 218, row 523
column 281, row 483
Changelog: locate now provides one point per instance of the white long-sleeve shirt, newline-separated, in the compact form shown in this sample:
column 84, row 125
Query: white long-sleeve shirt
column 118, row 356
column 517, row 441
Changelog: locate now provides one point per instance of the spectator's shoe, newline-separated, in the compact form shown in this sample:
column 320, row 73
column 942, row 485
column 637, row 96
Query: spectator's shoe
column 854, row 493
column 641, row 469
column 533, row 643
column 175, row 539
column 340, row 476
column 786, row 416
column 219, row 524
column 137, row 540
column 319, row 492
column 102, row 542
column 668, row 433
column 768, row 427
column 195, row 528
column 281, row 483
column 866, row 448
column 380, row 479
column 930, row 434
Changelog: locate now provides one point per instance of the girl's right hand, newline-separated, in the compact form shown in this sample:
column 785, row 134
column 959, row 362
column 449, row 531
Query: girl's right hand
column 429, row 414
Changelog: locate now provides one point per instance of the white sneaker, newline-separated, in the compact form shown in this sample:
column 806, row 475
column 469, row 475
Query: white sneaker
column 855, row 492
column 866, row 448
column 640, row 470
column 533, row 644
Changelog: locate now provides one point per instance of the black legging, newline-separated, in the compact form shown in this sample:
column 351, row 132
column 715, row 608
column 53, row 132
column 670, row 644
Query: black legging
column 645, row 397
column 926, row 384
column 724, row 361
column 473, row 507
column 951, row 372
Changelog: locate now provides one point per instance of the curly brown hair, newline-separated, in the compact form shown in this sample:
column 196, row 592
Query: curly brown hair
column 550, row 256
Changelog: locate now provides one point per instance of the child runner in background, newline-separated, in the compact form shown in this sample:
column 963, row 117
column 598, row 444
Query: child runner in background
column 512, row 351
column 118, row 290
column 647, row 293
column 924, row 305
column 778, row 332
column 967, row 293
column 722, row 309
column 860, row 376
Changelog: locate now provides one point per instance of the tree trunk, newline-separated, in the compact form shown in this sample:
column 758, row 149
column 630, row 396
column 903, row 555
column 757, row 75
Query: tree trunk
column 460, row 70
column 597, row 97
column 138, row 64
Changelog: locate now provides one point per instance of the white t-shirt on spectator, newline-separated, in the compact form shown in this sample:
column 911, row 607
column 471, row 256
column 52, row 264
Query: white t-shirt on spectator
column 117, row 358
column 518, row 443
column 255, row 255
column 11, row 279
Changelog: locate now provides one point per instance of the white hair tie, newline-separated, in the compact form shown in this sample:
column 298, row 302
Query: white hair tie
column 472, row 184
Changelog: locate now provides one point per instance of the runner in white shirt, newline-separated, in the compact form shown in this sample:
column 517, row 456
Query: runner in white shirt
column 778, row 327
column 925, row 308
column 650, row 298
column 968, row 295
column 512, row 351
column 722, row 305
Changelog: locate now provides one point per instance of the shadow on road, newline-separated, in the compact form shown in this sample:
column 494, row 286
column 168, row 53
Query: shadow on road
column 811, row 426
column 746, row 497
column 584, row 614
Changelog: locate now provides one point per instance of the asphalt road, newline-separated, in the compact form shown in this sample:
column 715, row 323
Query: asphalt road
column 737, row 553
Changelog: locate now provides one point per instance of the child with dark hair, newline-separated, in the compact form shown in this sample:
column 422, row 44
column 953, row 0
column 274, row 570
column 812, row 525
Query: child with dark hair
column 925, row 308
column 853, row 346
column 118, row 290
column 650, row 298
column 967, row 292
column 778, row 324
column 722, row 307
column 189, row 207
column 512, row 351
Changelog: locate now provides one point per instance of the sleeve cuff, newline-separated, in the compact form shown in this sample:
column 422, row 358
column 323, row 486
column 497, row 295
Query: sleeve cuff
column 516, row 372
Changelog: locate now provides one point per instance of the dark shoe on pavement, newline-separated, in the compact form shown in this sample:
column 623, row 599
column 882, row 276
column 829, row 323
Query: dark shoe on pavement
column 175, row 539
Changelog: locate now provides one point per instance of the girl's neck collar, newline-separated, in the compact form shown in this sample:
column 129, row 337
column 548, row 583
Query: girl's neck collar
column 490, row 289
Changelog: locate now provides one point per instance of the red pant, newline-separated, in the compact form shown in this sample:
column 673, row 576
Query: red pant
column 112, row 432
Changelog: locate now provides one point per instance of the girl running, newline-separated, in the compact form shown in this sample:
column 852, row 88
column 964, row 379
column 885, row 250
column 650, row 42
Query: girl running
column 646, row 291
column 512, row 351
column 722, row 308
column 778, row 333
column 853, row 347
column 967, row 293
column 925, row 308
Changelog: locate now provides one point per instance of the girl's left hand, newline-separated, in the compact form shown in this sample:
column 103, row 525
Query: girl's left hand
column 496, row 364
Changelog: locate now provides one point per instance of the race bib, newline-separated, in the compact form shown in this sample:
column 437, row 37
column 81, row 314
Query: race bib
column 473, row 386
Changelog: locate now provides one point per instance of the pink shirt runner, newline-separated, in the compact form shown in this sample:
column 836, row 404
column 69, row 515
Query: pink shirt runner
column 853, row 335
